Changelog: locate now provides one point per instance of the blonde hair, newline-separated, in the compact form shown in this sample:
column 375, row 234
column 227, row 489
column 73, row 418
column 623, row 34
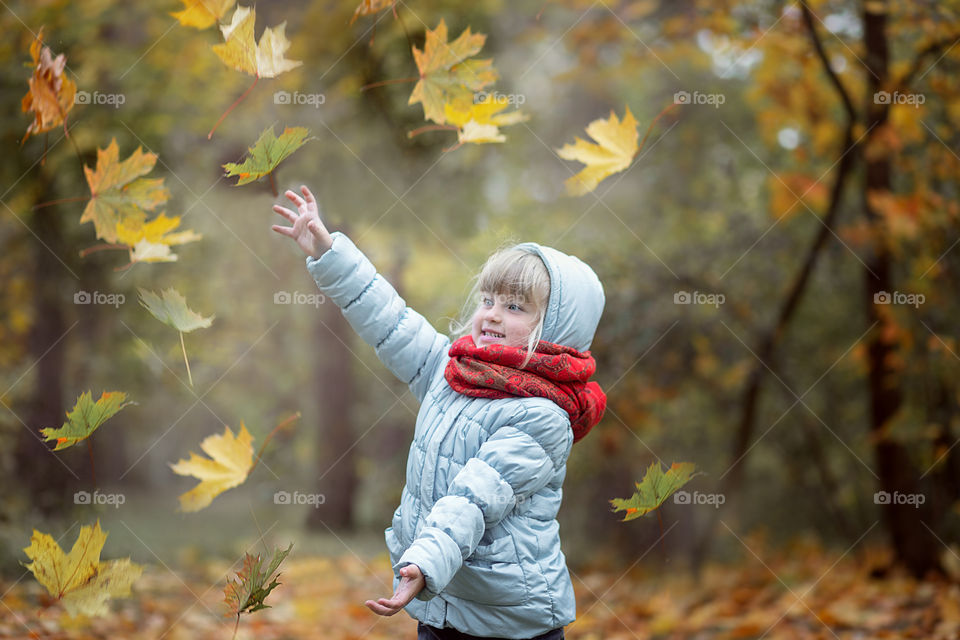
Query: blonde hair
column 515, row 271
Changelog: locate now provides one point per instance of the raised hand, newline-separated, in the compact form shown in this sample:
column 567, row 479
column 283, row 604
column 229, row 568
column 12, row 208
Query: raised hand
column 307, row 230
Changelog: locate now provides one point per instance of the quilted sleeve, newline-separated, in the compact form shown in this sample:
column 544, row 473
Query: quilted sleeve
column 403, row 339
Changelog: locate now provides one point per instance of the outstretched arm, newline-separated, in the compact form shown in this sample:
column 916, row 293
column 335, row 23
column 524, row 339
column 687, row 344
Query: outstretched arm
column 403, row 339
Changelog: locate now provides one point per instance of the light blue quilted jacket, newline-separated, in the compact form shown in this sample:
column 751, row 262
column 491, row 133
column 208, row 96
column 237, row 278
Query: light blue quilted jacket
column 483, row 480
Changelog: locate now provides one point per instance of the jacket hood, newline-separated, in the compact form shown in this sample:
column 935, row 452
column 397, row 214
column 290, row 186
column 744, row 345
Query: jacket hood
column 576, row 298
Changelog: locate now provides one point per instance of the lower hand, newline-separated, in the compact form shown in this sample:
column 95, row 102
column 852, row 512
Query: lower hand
column 411, row 582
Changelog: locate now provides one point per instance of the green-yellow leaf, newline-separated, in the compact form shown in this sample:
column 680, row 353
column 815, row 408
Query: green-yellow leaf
column 268, row 152
column 247, row 592
column 78, row 579
column 118, row 193
column 85, row 417
column 172, row 310
column 655, row 487
column 446, row 74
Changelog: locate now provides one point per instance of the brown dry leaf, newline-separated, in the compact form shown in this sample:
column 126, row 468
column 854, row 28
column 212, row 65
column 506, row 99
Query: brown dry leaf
column 51, row 94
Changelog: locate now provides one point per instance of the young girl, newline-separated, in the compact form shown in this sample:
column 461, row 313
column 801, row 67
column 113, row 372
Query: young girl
column 474, row 543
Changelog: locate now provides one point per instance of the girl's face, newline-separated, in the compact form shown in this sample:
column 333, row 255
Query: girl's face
column 503, row 319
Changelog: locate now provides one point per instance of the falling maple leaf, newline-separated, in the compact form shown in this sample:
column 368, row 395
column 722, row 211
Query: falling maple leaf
column 247, row 592
column 479, row 121
column 202, row 13
column 78, row 579
column 230, row 461
column 266, row 153
column 369, row 7
column 51, row 94
column 614, row 153
column 655, row 487
column 264, row 59
column 85, row 417
column 446, row 74
column 172, row 310
column 118, row 193
column 151, row 241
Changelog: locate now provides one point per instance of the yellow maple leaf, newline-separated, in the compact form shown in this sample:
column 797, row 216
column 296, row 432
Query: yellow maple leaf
column 78, row 579
column 228, row 465
column 446, row 73
column 202, row 13
column 51, row 93
column 477, row 121
column 151, row 241
column 264, row 59
column 617, row 145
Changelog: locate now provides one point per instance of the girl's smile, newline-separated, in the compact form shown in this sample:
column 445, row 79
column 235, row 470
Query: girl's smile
column 503, row 319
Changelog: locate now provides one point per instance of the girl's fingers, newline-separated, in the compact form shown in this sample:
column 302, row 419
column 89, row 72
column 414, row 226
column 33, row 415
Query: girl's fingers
column 379, row 609
column 286, row 213
column 294, row 198
column 284, row 231
column 307, row 194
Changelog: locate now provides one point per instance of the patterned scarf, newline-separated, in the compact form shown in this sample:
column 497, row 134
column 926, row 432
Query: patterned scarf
column 555, row 372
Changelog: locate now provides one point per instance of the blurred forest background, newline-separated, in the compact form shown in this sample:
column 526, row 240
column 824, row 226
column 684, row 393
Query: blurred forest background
column 805, row 185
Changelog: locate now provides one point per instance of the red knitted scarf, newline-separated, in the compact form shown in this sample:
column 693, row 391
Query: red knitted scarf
column 555, row 372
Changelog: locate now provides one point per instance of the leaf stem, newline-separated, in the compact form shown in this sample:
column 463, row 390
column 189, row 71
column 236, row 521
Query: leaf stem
column 50, row 203
column 650, row 128
column 386, row 82
column 185, row 361
column 101, row 247
column 273, row 184
column 231, row 107
column 283, row 424
column 431, row 127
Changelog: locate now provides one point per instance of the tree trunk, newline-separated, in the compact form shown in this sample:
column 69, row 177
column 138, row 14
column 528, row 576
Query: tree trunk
column 336, row 467
column 50, row 483
column 912, row 542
